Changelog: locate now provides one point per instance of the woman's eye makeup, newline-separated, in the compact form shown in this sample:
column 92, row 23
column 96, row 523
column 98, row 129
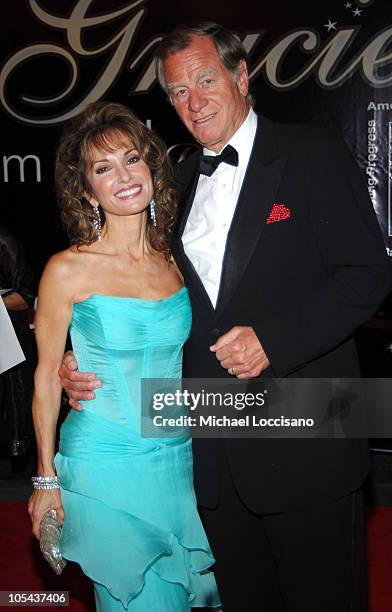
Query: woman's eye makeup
column 101, row 169
column 133, row 159
column 130, row 159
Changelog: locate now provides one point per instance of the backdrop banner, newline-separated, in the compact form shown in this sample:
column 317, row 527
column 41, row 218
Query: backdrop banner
column 324, row 63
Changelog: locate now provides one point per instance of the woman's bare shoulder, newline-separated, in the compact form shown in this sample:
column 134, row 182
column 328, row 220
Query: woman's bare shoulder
column 65, row 269
column 64, row 263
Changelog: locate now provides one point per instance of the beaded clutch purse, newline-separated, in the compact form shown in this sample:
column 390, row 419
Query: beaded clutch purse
column 49, row 541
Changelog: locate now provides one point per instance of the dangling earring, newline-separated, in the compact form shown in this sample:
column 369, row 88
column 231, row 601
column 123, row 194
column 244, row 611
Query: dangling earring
column 97, row 222
column 153, row 215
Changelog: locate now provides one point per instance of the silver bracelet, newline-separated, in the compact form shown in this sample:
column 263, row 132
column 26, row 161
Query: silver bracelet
column 45, row 482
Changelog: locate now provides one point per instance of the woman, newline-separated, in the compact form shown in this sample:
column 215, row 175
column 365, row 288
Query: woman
column 128, row 503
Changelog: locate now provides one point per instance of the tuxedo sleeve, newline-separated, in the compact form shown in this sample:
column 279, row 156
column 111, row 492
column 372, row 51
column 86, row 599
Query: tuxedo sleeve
column 357, row 270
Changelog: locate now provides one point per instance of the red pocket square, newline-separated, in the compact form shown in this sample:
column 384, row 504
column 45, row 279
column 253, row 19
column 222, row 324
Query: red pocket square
column 278, row 213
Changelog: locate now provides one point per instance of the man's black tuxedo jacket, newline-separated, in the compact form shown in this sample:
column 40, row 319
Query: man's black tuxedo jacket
column 304, row 284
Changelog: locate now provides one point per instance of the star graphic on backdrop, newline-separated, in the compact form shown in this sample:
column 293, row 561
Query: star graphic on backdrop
column 348, row 5
column 330, row 25
column 357, row 12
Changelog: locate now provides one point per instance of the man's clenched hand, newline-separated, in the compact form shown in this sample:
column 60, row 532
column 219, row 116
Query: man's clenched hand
column 240, row 352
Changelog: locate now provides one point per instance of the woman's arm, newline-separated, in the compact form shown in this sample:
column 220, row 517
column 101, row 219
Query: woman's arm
column 52, row 321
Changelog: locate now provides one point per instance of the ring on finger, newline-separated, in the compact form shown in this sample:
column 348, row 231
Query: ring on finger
column 231, row 371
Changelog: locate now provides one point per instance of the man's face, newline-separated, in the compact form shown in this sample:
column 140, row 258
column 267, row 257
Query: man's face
column 207, row 98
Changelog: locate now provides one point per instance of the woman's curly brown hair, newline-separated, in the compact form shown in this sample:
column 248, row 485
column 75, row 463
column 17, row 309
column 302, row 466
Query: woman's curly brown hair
column 106, row 125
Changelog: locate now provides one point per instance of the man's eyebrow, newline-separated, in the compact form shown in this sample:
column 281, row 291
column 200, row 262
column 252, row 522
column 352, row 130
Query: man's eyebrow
column 200, row 75
column 204, row 73
column 174, row 85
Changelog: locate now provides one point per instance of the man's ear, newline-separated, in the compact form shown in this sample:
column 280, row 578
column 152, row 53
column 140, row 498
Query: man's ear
column 243, row 78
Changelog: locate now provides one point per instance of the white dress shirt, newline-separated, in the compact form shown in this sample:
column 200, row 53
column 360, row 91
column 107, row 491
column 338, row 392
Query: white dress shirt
column 213, row 208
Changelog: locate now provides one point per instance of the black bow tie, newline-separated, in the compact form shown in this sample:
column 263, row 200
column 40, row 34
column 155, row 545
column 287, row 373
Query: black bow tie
column 209, row 163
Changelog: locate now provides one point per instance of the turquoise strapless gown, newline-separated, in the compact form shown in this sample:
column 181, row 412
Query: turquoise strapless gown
column 130, row 511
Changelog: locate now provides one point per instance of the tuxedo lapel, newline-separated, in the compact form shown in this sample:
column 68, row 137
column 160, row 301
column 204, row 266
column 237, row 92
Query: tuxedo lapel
column 192, row 279
column 259, row 188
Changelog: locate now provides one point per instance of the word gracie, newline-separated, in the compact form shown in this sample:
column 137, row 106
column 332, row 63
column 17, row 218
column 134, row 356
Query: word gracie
column 225, row 421
column 203, row 399
column 328, row 61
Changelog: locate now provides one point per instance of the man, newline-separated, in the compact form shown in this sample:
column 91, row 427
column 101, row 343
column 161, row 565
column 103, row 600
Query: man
column 17, row 353
column 283, row 259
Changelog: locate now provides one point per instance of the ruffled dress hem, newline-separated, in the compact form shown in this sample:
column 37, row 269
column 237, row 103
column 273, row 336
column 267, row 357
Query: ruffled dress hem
column 200, row 573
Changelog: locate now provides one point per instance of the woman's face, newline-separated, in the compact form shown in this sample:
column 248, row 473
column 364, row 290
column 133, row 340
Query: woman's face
column 120, row 180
